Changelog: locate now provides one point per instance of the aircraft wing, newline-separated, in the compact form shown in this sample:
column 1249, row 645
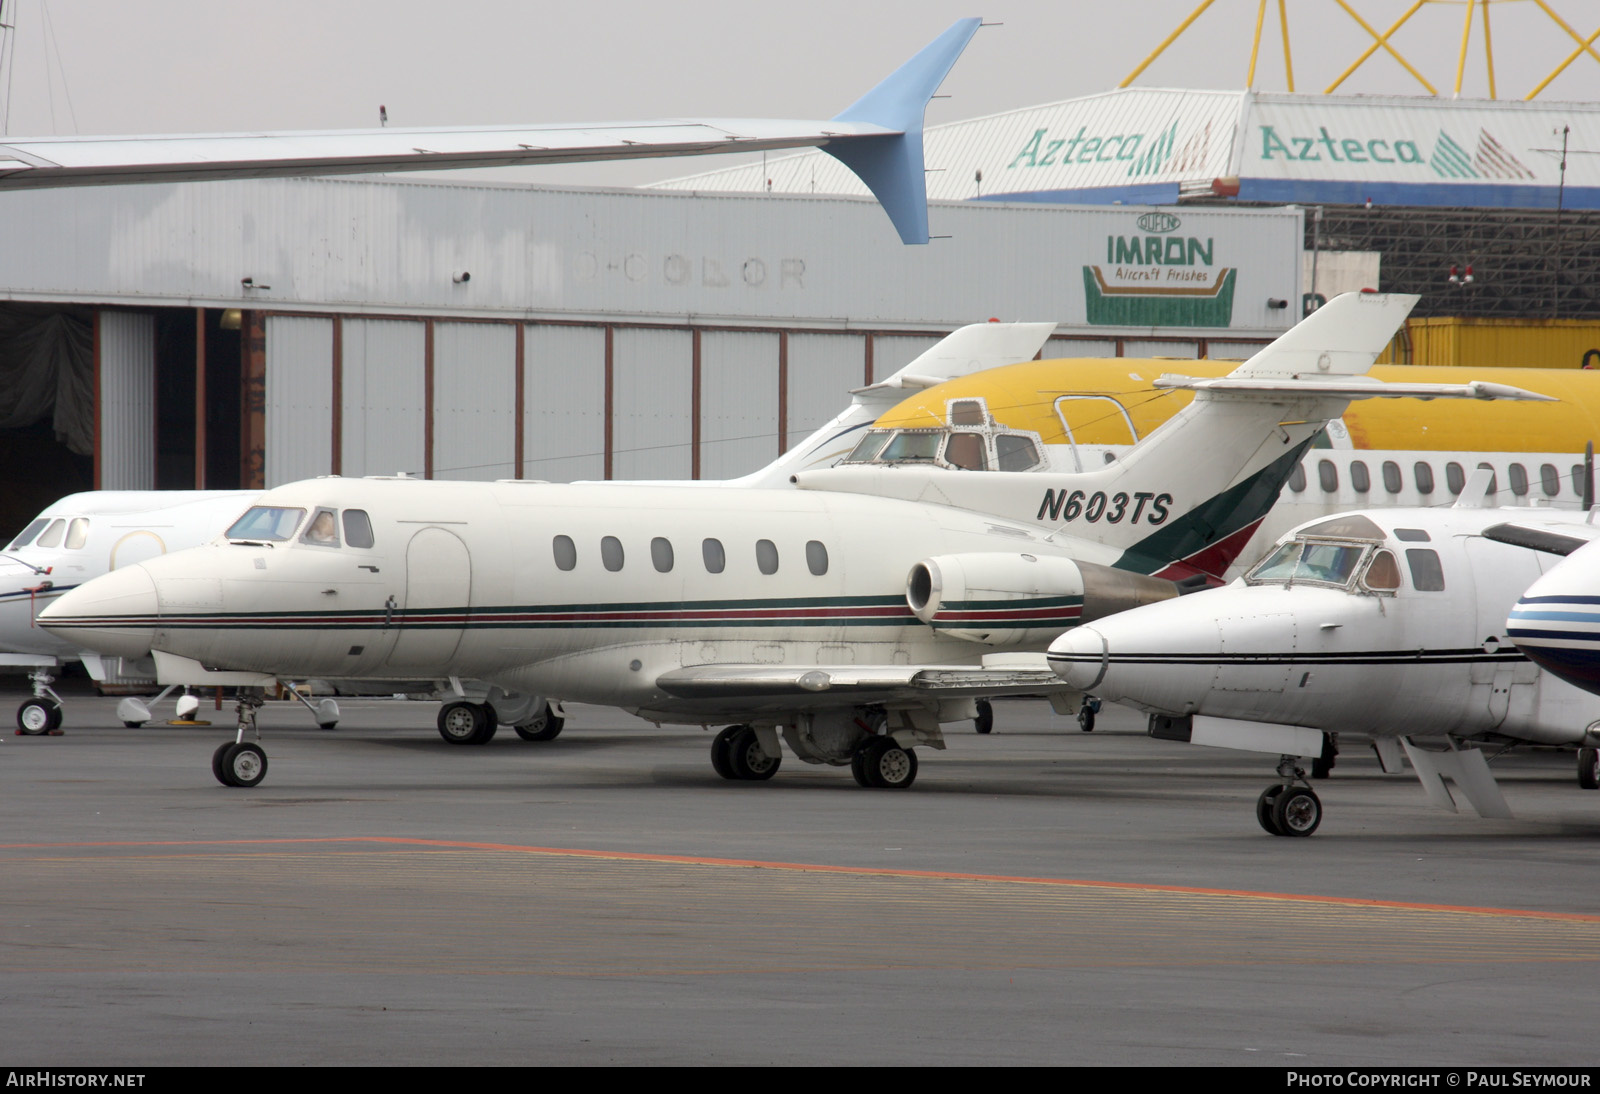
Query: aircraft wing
column 879, row 137
column 1546, row 537
column 854, row 684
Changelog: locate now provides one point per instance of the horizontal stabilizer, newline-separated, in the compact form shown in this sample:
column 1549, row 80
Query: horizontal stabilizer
column 1352, row 388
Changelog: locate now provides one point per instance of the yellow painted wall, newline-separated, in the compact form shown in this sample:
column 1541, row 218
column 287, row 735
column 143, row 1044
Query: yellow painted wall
column 1497, row 343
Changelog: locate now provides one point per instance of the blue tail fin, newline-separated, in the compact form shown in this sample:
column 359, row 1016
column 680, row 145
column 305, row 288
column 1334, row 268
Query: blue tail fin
column 892, row 166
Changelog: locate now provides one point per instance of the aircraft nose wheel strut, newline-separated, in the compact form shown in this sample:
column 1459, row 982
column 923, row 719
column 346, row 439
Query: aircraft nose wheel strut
column 1290, row 808
column 41, row 714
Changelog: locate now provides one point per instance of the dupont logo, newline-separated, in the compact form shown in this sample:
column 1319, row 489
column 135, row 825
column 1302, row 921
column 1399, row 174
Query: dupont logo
column 1159, row 222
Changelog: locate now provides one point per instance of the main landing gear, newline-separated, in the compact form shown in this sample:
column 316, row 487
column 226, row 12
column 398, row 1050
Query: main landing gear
column 881, row 763
column 467, row 723
column 1589, row 768
column 1288, row 809
column 41, row 714
column 242, row 761
column 738, row 754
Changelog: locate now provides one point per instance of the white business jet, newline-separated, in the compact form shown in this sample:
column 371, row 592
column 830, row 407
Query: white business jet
column 85, row 535
column 1389, row 623
column 850, row 617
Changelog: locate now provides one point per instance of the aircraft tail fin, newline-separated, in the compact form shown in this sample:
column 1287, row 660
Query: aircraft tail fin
column 892, row 165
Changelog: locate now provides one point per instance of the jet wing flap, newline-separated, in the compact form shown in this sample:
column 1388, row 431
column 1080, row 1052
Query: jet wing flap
column 857, row 683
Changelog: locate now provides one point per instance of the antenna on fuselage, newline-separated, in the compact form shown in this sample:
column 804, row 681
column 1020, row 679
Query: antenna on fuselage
column 1588, row 477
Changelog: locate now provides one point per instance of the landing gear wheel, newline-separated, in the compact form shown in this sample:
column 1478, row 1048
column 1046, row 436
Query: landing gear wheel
column 882, row 763
column 720, row 745
column 1086, row 719
column 984, row 722
column 243, row 764
column 543, row 727
column 1264, row 807
column 1297, row 812
column 133, row 725
column 746, row 758
column 216, row 763
column 36, row 717
column 463, row 723
column 1589, row 768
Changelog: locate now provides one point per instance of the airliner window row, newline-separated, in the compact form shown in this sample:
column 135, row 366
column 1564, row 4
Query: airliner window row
column 61, row 532
column 1423, row 477
column 662, row 556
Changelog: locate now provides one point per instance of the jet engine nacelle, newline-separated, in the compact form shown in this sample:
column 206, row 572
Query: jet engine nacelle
column 1004, row 599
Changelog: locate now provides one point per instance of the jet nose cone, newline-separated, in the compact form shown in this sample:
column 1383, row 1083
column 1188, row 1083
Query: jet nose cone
column 1079, row 657
column 115, row 614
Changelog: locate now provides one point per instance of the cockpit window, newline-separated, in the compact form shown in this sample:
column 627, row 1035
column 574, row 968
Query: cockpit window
column 869, row 447
column 1301, row 560
column 267, row 524
column 52, row 534
column 913, row 446
column 25, row 536
column 1383, row 573
column 1016, row 453
column 965, row 450
column 323, row 530
column 77, row 533
column 357, row 528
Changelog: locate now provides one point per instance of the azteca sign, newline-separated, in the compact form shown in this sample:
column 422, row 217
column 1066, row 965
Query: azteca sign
column 1361, row 154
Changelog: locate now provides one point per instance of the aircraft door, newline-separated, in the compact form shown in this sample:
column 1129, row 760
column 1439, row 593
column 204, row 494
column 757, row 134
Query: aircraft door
column 434, row 608
column 1505, row 683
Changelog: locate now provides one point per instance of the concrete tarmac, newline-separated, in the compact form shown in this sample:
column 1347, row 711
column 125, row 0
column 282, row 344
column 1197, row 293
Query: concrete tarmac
column 1040, row 895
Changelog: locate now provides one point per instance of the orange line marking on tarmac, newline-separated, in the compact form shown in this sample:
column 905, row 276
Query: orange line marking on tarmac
column 822, row 868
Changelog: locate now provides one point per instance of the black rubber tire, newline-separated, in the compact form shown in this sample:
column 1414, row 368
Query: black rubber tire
column 1264, row 807
column 719, row 752
column 134, row 725
column 37, row 717
column 546, row 728
column 463, row 723
column 889, row 766
column 746, row 759
column 1589, row 768
column 1086, row 719
column 1297, row 812
column 244, row 764
column 984, row 722
column 216, row 763
column 858, row 768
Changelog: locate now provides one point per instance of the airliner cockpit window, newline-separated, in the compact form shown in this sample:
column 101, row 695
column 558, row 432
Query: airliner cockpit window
column 869, row 446
column 965, row 451
column 267, row 524
column 1300, row 561
column 25, row 536
column 52, row 534
column 323, row 531
column 913, row 446
column 358, row 528
column 77, row 533
column 1016, row 453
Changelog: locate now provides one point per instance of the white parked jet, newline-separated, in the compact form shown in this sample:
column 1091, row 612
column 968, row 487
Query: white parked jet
column 85, row 535
column 1388, row 622
column 849, row 622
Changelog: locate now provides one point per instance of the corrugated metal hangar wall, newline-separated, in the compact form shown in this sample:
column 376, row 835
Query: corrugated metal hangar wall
column 506, row 331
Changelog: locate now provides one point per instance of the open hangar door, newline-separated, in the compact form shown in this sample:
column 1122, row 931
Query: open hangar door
column 47, row 419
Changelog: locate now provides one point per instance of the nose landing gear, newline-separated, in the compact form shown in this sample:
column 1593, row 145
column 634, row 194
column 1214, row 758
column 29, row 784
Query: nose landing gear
column 41, row 714
column 1288, row 809
column 242, row 762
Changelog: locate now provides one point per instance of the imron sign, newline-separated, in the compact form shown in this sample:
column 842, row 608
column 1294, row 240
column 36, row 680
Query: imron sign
column 1156, row 275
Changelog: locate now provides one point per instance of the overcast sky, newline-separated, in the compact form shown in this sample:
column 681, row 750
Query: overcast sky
column 110, row 66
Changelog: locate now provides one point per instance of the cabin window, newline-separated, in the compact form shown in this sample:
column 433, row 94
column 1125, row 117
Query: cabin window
column 322, row 531
column 965, row 450
column 1328, row 476
column 1494, row 477
column 1360, row 481
column 1427, row 575
column 25, row 536
column 52, row 534
column 358, row 528
column 868, row 447
column 1454, row 477
column 1423, row 472
column 1392, row 479
column 1578, row 485
column 1297, row 479
column 661, row 554
column 266, row 524
column 1519, row 479
column 77, row 534
column 566, row 552
column 816, row 557
column 1383, row 573
column 1015, row 453
column 766, row 556
column 1549, row 480
column 715, row 557
column 611, row 553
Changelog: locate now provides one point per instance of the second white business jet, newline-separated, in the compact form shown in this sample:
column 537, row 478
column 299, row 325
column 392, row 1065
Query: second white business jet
column 849, row 618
